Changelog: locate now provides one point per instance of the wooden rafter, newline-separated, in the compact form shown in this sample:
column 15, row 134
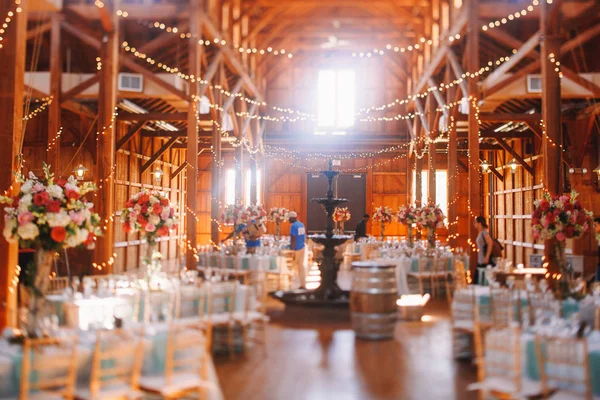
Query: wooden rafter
column 515, row 155
column 163, row 149
column 130, row 134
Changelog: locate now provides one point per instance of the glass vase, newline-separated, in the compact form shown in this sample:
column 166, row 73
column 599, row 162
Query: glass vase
column 563, row 286
column 33, row 293
column 382, row 231
column 409, row 236
column 277, row 231
column 431, row 239
column 151, row 263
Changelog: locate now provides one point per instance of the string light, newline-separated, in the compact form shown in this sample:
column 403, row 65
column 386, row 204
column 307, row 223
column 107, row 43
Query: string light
column 512, row 17
column 110, row 125
column 55, row 139
column 104, row 264
column 205, row 42
column 546, row 137
column 556, row 65
column 98, row 63
column 8, row 20
column 44, row 103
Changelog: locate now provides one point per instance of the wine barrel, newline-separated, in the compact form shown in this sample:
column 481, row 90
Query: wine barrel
column 373, row 300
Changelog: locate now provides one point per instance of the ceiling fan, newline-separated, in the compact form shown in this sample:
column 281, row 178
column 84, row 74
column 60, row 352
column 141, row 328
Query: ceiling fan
column 333, row 42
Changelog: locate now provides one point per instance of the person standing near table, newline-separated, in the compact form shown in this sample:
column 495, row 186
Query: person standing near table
column 484, row 243
column 298, row 246
column 361, row 228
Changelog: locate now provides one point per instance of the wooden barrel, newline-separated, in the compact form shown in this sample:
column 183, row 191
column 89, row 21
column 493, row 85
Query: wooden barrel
column 373, row 300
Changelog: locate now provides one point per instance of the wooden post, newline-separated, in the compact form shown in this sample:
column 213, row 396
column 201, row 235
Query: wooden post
column 452, row 171
column 215, row 188
column 472, row 51
column 239, row 174
column 253, row 181
column 54, row 120
column 431, row 111
column 12, row 87
column 192, row 138
column 551, row 111
column 105, row 150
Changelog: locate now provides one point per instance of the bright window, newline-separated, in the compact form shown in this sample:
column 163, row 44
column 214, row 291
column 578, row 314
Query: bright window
column 230, row 186
column 249, row 185
column 336, row 98
column 441, row 190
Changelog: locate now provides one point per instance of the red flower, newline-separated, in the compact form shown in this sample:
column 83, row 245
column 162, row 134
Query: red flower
column 581, row 218
column 127, row 227
column 15, row 202
column 53, row 206
column 58, row 234
column 163, row 231
column 577, row 205
column 544, row 205
column 569, row 207
column 569, row 231
column 550, row 217
column 41, row 198
column 71, row 194
column 129, row 204
column 144, row 198
column 90, row 239
column 164, row 202
column 142, row 221
column 157, row 209
column 144, row 209
column 61, row 182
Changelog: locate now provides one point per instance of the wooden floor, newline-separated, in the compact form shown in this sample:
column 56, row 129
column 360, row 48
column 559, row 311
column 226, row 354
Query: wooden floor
column 323, row 360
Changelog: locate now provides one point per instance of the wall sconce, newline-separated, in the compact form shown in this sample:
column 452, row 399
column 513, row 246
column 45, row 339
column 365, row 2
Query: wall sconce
column 158, row 173
column 513, row 164
column 581, row 171
column 485, row 166
column 80, row 171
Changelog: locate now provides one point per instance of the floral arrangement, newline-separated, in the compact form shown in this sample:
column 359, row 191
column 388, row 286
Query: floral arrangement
column 341, row 214
column 278, row 215
column 51, row 214
column 430, row 217
column 560, row 217
column 151, row 213
column 236, row 214
column 383, row 214
column 407, row 215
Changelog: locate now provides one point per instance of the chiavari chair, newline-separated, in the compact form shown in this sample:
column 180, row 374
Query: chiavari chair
column 48, row 369
column 253, row 319
column 186, row 365
column 58, row 284
column 564, row 368
column 424, row 275
column 457, row 280
column 221, row 306
column 465, row 322
column 116, row 366
column 499, row 371
column 543, row 304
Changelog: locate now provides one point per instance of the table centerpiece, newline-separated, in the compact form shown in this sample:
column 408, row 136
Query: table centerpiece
column 277, row 215
column 48, row 215
column 150, row 212
column 556, row 219
column 430, row 217
column 340, row 216
column 383, row 215
column 407, row 216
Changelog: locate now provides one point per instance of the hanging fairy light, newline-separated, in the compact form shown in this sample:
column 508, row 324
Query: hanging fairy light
column 485, row 166
column 80, row 171
column 158, row 174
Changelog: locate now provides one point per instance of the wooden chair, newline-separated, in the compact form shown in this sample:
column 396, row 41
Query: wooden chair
column 221, row 306
column 457, row 280
column 500, row 311
column 541, row 303
column 116, row 366
column 58, row 284
column 186, row 365
column 197, row 295
column 564, row 366
column 441, row 274
column 164, row 299
column 465, row 322
column 499, row 372
column 254, row 319
column 52, row 361
column 134, row 298
column 424, row 275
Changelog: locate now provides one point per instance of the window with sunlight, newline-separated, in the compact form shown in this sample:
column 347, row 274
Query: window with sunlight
column 336, row 99
column 249, row 185
column 230, row 186
column 441, row 190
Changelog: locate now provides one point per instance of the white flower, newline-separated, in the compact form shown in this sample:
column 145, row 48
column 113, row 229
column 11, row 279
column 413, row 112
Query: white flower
column 27, row 187
column 165, row 213
column 55, row 191
column 154, row 219
column 9, row 225
column 154, row 200
column 72, row 186
column 28, row 231
column 58, row 219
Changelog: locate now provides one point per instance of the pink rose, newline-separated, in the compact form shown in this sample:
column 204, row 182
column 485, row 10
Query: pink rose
column 25, row 218
column 564, row 198
column 561, row 237
column 38, row 187
column 545, row 223
column 77, row 217
column 150, row 228
column 536, row 235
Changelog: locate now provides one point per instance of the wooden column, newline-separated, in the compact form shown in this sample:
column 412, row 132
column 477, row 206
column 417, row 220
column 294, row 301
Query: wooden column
column 551, row 111
column 105, row 149
column 472, row 51
column 194, row 54
column 418, row 163
column 239, row 174
column 431, row 111
column 54, row 120
column 452, row 172
column 12, row 87
column 253, row 180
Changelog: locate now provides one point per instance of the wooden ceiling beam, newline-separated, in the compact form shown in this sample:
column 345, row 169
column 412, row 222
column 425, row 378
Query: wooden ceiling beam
column 508, row 117
column 162, row 40
column 516, row 156
column 153, row 116
column 163, row 149
column 130, row 134
column 172, row 134
column 39, row 30
column 79, row 88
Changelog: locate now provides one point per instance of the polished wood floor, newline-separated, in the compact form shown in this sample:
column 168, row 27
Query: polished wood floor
column 323, row 361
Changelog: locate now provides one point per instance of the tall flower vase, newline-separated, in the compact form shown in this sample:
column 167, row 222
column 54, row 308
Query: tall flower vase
column 341, row 228
column 33, row 293
column 277, row 231
column 560, row 258
column 431, row 239
column 409, row 235
column 382, row 231
column 151, row 263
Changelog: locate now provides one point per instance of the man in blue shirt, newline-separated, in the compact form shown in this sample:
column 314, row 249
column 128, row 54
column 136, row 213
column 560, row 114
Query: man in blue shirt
column 298, row 246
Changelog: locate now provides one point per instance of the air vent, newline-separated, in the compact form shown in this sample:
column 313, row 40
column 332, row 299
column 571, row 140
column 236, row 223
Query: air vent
column 336, row 163
column 131, row 82
column 534, row 83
